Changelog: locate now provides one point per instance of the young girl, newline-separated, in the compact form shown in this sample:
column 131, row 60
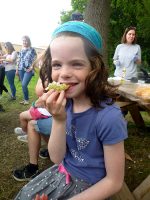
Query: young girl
column 35, row 112
column 88, row 129
column 10, row 61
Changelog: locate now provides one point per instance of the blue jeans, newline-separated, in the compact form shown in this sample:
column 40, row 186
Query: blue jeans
column 11, row 77
column 25, row 78
column 43, row 126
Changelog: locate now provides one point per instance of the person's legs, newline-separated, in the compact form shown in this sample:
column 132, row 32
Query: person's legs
column 43, row 126
column 26, row 79
column 29, row 171
column 10, row 77
column 21, row 74
column 34, row 144
column 25, row 117
column 2, row 77
column 1, row 80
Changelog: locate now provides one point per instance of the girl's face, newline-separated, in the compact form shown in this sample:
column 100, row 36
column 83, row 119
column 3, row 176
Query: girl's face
column 130, row 36
column 70, row 64
column 7, row 49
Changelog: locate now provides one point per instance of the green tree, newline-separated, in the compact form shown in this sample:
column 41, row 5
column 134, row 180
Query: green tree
column 97, row 13
column 143, row 19
column 77, row 5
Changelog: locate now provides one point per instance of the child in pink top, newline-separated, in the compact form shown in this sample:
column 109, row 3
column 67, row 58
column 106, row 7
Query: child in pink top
column 35, row 112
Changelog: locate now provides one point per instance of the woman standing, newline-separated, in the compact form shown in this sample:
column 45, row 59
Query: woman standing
column 10, row 61
column 25, row 70
column 127, row 55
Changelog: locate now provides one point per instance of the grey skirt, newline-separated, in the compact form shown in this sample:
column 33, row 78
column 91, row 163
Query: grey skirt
column 52, row 183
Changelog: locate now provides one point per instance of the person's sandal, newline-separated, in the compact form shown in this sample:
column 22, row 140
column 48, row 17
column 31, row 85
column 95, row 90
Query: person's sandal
column 26, row 102
column 23, row 138
column 19, row 131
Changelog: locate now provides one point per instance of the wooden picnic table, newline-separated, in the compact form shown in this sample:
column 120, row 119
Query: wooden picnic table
column 128, row 98
column 128, row 91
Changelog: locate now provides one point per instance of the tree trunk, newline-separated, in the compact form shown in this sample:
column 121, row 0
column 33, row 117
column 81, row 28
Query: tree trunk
column 97, row 14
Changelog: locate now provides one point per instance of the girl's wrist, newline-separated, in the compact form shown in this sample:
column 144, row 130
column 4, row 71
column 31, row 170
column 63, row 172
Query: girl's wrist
column 34, row 104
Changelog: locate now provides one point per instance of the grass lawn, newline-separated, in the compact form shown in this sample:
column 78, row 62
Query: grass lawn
column 14, row 154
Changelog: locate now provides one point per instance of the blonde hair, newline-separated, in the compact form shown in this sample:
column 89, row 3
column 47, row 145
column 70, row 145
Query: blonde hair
column 27, row 39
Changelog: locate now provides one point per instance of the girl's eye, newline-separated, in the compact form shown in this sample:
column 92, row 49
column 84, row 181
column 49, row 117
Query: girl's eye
column 56, row 65
column 77, row 65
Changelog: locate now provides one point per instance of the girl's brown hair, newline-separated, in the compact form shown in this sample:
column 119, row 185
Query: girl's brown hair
column 9, row 47
column 98, row 88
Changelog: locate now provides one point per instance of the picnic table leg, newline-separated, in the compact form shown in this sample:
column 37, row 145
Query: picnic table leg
column 137, row 118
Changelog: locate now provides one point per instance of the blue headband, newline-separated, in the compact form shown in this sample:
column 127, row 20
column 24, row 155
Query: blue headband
column 82, row 28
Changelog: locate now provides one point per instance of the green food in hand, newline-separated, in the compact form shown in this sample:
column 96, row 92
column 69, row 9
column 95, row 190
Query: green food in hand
column 57, row 86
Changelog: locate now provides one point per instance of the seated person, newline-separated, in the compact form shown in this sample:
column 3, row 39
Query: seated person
column 89, row 158
column 35, row 130
column 35, row 112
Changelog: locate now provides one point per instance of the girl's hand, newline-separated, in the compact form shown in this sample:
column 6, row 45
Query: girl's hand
column 17, row 74
column 43, row 197
column 39, row 103
column 135, row 58
column 55, row 103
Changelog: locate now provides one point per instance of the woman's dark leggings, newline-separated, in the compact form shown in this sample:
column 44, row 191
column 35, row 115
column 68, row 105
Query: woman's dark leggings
column 2, row 77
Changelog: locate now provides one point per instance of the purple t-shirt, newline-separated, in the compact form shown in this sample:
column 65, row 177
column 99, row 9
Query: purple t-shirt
column 87, row 132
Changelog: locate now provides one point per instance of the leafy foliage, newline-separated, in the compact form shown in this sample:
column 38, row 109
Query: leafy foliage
column 77, row 6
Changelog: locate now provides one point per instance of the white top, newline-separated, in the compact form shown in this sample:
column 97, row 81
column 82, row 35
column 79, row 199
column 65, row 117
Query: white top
column 125, row 54
column 11, row 65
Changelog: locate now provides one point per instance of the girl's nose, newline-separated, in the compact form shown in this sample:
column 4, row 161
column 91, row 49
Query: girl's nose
column 66, row 72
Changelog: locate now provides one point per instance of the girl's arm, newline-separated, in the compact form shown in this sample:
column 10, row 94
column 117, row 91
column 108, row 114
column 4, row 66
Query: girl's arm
column 55, row 103
column 3, row 57
column 138, row 60
column 12, row 58
column 116, row 61
column 39, row 88
column 112, row 182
